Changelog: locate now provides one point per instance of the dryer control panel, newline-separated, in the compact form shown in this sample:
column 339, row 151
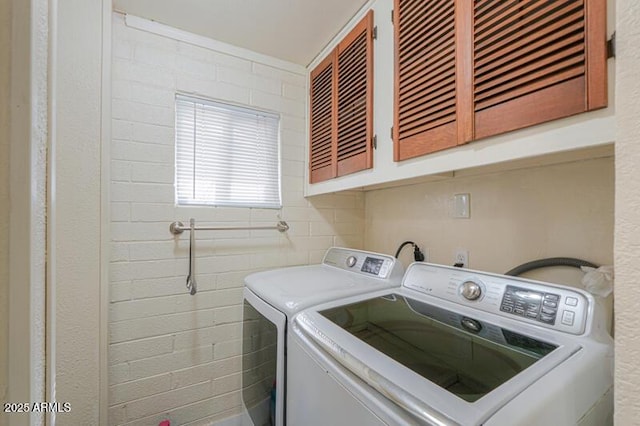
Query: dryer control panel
column 548, row 305
column 361, row 262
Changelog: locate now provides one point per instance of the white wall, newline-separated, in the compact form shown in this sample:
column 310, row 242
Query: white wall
column 627, row 247
column 173, row 355
column 5, row 68
column 74, row 215
column 517, row 216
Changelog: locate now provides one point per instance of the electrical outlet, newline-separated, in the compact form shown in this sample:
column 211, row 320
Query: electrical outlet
column 461, row 258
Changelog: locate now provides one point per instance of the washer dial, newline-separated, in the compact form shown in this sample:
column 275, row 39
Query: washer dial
column 470, row 324
column 351, row 261
column 471, row 290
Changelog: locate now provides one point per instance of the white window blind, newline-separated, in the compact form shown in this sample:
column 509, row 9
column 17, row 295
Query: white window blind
column 226, row 155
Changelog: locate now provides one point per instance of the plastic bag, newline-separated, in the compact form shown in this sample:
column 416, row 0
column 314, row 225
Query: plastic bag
column 598, row 281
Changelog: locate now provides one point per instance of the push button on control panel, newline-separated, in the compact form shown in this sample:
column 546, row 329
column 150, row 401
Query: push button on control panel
column 568, row 317
column 548, row 319
column 571, row 301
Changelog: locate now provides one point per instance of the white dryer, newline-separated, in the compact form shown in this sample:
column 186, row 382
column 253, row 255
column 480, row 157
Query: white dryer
column 453, row 347
column 271, row 298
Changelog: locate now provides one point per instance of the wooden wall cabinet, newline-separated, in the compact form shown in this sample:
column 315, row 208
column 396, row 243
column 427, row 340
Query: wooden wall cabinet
column 466, row 70
column 341, row 103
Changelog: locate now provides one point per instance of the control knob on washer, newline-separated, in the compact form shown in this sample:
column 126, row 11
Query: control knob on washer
column 351, row 261
column 471, row 290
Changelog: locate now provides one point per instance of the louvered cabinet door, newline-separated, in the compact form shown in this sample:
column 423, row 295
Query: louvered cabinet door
column 355, row 99
column 431, row 76
column 322, row 132
column 535, row 61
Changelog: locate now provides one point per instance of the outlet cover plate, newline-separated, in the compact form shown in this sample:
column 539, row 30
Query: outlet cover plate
column 461, row 256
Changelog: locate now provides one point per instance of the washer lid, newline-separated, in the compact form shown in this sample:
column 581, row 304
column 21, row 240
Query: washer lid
column 443, row 364
column 463, row 355
column 344, row 272
column 292, row 289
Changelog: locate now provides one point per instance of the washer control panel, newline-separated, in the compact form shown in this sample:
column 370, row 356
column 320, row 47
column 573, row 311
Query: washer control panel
column 532, row 304
column 361, row 262
column 548, row 305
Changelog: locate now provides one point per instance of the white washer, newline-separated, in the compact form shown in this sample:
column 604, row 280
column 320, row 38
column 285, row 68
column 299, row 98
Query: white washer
column 453, row 347
column 271, row 298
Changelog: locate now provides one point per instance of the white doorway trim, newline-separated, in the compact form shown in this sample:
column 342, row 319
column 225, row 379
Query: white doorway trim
column 28, row 203
column 105, row 209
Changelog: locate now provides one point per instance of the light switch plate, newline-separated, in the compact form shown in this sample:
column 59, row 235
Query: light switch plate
column 461, row 206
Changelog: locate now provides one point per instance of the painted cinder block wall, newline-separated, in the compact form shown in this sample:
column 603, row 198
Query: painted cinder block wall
column 172, row 355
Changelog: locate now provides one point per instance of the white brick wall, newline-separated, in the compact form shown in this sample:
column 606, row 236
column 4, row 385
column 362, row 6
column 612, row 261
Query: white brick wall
column 172, row 355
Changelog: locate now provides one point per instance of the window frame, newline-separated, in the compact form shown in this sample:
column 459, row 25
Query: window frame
column 229, row 107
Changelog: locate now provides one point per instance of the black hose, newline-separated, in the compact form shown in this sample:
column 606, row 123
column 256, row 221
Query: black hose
column 551, row 261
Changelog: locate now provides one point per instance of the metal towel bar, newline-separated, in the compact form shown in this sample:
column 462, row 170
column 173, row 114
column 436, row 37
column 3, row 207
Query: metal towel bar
column 177, row 228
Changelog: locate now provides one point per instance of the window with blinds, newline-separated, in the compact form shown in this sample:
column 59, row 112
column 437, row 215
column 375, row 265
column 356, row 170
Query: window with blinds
column 226, row 155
